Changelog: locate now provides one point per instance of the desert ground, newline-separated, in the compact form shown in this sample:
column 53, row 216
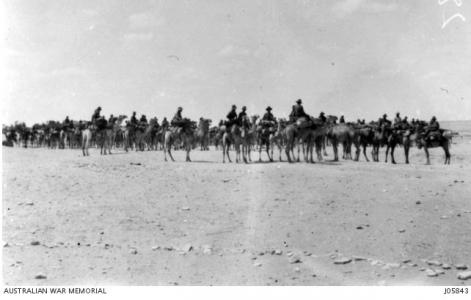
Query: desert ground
column 133, row 219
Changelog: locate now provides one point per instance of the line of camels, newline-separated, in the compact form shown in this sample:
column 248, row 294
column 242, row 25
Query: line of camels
column 250, row 134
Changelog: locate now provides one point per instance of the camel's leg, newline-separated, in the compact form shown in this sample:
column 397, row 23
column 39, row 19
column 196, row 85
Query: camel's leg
column 387, row 152
column 335, row 147
column 427, row 155
column 447, row 154
column 364, row 153
column 392, row 154
column 406, row 152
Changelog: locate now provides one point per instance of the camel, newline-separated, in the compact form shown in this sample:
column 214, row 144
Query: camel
column 278, row 138
column 434, row 139
column 380, row 138
column 263, row 138
column 297, row 133
column 232, row 137
column 128, row 136
column 185, row 134
column 363, row 137
column 248, row 136
column 341, row 133
column 202, row 134
column 86, row 138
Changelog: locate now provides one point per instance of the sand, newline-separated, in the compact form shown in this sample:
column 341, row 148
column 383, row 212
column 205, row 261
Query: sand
column 133, row 219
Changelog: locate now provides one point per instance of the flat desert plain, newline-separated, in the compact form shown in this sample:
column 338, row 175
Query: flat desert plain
column 133, row 219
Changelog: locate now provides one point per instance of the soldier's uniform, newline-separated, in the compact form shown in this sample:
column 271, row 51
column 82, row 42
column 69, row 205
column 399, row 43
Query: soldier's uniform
column 322, row 117
column 342, row 120
column 177, row 118
column 231, row 117
column 96, row 115
column 133, row 121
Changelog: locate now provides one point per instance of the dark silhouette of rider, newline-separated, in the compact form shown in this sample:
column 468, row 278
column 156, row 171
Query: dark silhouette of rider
column 232, row 116
column 96, row 115
column 322, row 117
column 241, row 115
column 177, row 118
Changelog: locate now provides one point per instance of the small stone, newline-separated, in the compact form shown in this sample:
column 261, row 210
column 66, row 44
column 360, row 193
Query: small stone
column 439, row 272
column 155, row 248
column 446, row 266
column 431, row 273
column 464, row 275
column 418, row 202
column 261, row 253
column 289, row 253
column 461, row 266
column 422, row 269
column 307, row 253
column 405, row 261
column 359, row 227
column 169, row 248
column 402, row 231
column 257, row 264
column 358, row 258
column 277, row 252
column 187, row 248
column 6, row 245
column 297, row 270
column 433, row 263
column 185, row 208
column 40, row 276
column 35, row 243
column 412, row 264
column 133, row 251
column 342, row 261
column 294, row 259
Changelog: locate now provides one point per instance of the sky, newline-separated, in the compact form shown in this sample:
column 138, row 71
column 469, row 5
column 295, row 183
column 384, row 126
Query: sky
column 358, row 58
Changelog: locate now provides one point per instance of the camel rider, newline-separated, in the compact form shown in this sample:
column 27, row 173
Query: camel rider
column 231, row 117
column 241, row 115
column 298, row 110
column 67, row 124
column 112, row 120
column 397, row 119
column 342, row 120
column 177, row 118
column 96, row 114
column 291, row 115
column 432, row 127
column 143, row 119
column 133, row 121
column 384, row 120
column 322, row 117
column 165, row 123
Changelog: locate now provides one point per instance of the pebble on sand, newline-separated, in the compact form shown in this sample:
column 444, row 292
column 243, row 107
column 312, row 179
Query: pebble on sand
column 40, row 276
column 342, row 261
column 446, row 266
column 187, row 248
column 185, row 208
column 464, row 275
column 358, row 258
column 461, row 267
column 169, row 248
column 257, row 264
column 277, row 252
column 294, row 259
column 133, row 251
column 418, row 202
column 431, row 273
column 433, row 263
column 155, row 248
column 35, row 243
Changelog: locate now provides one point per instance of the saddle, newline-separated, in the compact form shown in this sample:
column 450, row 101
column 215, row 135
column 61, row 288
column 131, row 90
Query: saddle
column 302, row 123
column 433, row 136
